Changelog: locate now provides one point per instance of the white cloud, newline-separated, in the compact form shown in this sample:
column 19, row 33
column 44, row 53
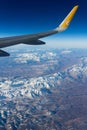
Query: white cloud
column 25, row 57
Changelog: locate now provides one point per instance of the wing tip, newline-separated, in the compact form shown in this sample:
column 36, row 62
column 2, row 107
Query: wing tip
column 75, row 5
column 66, row 22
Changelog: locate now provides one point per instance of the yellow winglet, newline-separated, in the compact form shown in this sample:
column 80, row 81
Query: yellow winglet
column 64, row 25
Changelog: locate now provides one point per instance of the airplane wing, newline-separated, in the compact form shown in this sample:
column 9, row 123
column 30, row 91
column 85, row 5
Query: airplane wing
column 33, row 39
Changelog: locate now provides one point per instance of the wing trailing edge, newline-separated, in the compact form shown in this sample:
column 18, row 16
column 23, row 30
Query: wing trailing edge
column 35, row 42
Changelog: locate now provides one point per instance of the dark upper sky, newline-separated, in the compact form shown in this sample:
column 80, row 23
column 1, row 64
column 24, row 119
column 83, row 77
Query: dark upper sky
column 31, row 16
column 28, row 16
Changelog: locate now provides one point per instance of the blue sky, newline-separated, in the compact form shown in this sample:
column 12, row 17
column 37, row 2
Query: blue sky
column 31, row 16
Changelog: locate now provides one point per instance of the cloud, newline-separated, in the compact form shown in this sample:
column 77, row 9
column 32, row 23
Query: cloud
column 36, row 57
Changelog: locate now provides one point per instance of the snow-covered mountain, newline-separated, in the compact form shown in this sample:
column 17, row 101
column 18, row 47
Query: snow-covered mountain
column 53, row 100
column 34, row 87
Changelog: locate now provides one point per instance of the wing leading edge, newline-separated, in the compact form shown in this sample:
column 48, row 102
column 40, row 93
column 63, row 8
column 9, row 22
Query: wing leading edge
column 33, row 39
